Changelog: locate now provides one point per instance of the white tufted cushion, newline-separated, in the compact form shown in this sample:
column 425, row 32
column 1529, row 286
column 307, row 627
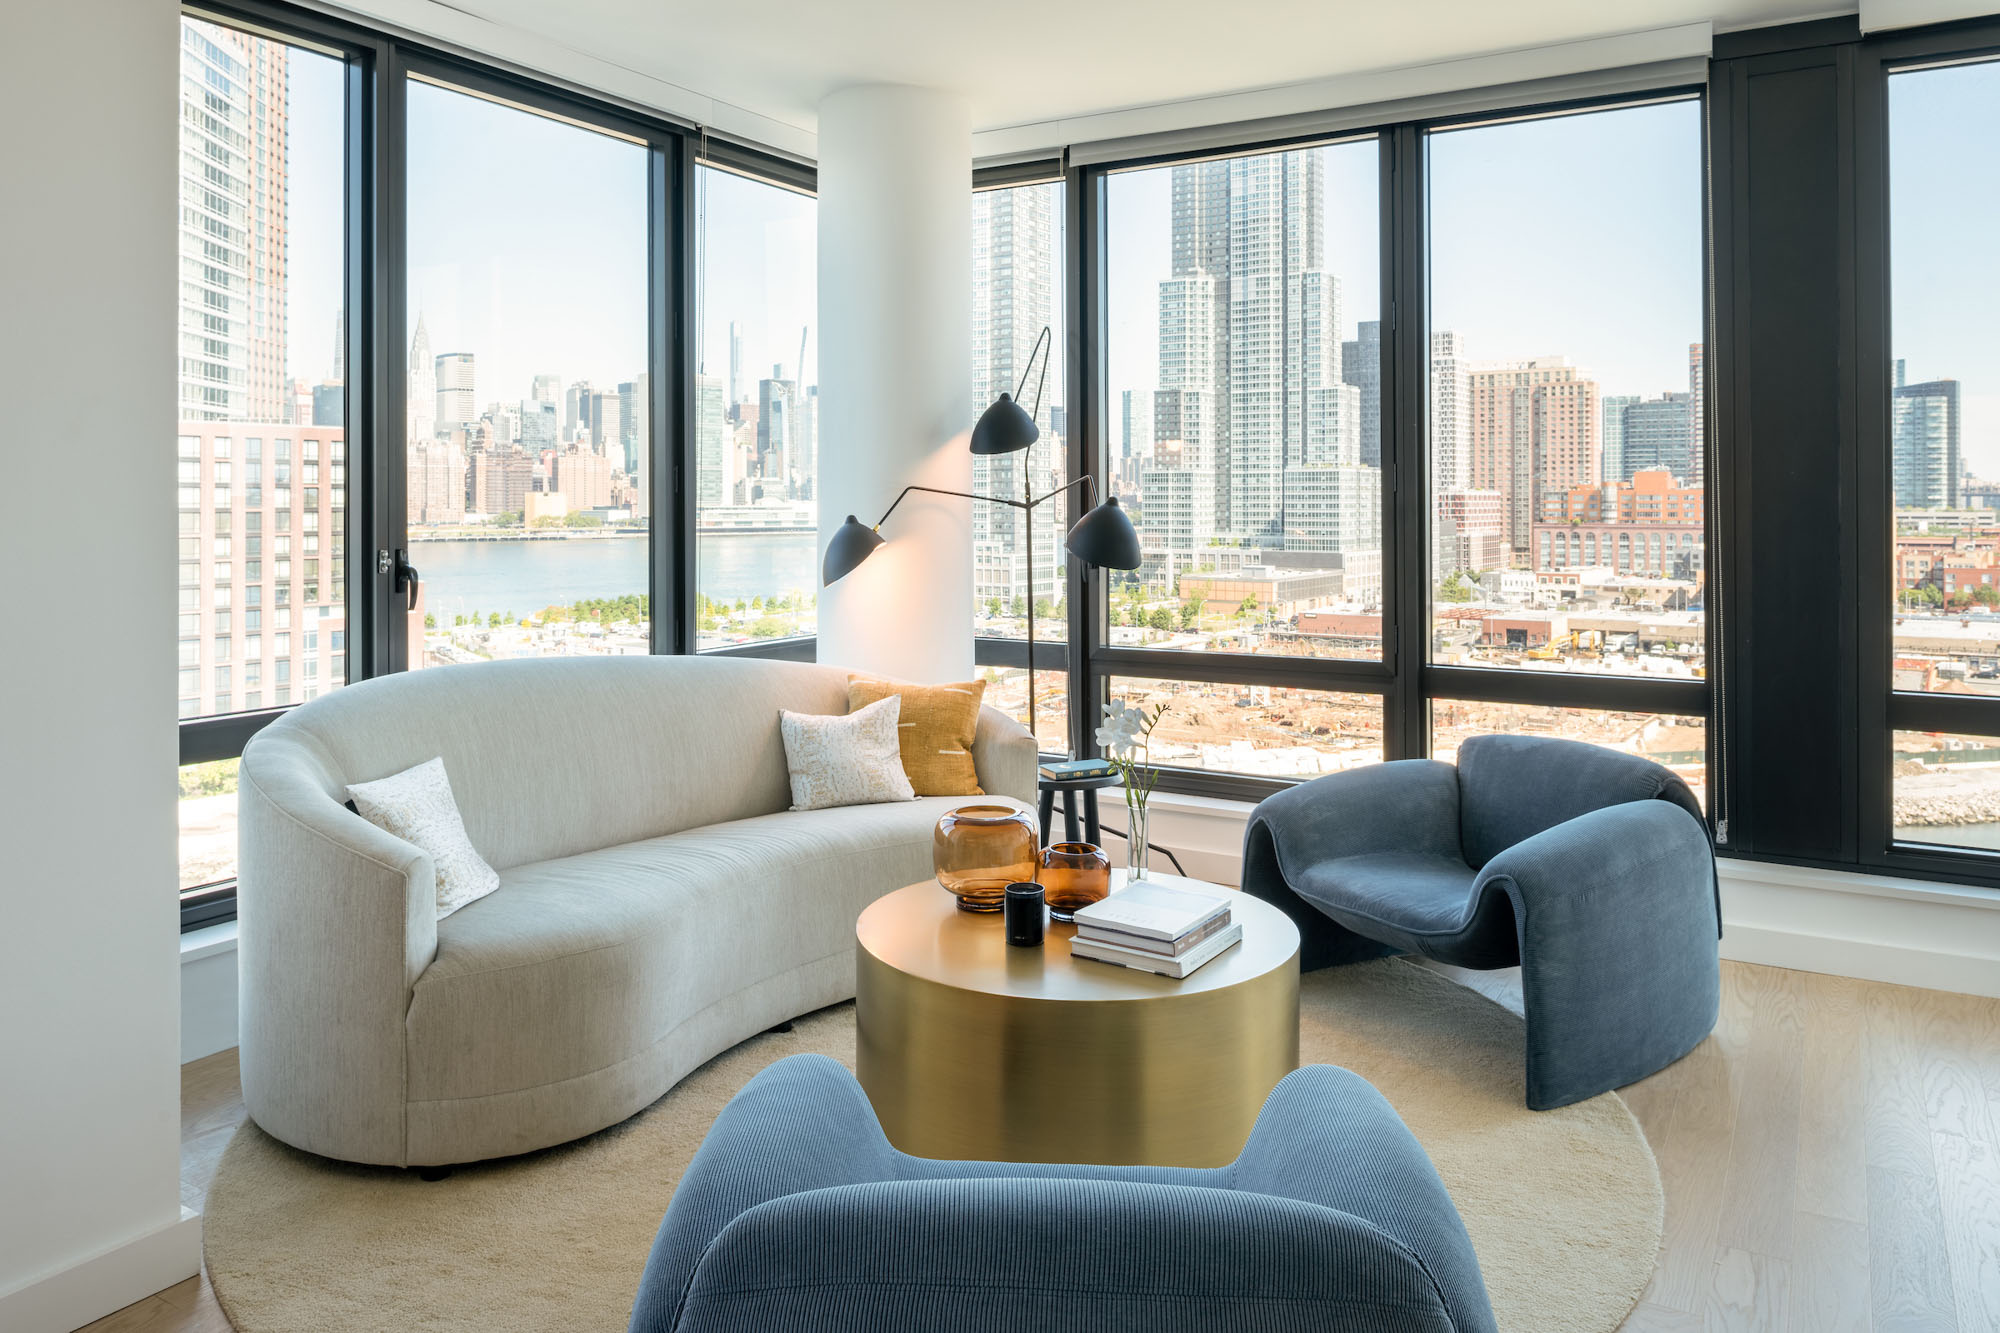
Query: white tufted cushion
column 851, row 760
column 417, row 806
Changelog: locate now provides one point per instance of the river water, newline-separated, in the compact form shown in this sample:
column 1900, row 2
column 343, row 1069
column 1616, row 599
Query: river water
column 523, row 577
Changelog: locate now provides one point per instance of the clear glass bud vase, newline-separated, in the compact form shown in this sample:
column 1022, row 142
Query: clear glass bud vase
column 1138, row 842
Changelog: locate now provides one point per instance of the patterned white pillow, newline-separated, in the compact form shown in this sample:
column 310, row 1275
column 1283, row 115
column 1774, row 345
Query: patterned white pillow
column 417, row 806
column 851, row 760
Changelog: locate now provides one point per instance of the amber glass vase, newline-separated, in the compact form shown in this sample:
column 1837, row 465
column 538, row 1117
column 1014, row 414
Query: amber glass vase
column 980, row 849
column 1074, row 874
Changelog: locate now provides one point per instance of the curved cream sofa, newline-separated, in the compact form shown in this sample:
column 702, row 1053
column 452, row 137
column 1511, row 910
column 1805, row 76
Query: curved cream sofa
column 658, row 902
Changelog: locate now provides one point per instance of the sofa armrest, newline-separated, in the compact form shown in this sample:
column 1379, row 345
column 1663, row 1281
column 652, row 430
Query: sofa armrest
column 800, row 1124
column 1326, row 1136
column 1006, row 757
column 337, row 918
column 1620, row 974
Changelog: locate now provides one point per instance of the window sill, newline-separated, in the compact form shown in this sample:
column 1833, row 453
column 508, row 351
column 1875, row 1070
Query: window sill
column 208, row 941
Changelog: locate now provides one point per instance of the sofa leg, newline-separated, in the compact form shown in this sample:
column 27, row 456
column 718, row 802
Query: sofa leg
column 432, row 1174
column 785, row 1026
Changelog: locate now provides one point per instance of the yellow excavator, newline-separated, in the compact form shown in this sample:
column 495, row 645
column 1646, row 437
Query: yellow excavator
column 1582, row 643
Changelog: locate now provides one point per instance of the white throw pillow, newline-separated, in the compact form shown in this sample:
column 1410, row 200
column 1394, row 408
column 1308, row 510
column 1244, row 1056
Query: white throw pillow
column 851, row 760
column 417, row 806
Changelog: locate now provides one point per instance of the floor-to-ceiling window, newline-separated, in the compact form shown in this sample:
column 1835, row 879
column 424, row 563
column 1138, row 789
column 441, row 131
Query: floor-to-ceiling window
column 1943, row 447
column 261, row 447
column 1566, row 441
column 527, row 452
column 756, row 410
column 1018, row 259
column 1242, row 402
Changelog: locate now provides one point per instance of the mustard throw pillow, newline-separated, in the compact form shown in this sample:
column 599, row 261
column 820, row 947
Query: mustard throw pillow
column 934, row 731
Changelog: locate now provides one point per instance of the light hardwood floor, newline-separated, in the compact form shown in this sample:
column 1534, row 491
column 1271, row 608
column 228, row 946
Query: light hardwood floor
column 1831, row 1157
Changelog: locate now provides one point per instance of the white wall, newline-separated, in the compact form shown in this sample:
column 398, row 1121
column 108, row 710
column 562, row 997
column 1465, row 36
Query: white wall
column 895, row 310
column 89, row 952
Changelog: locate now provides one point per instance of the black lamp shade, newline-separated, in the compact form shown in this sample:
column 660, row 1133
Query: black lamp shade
column 852, row 544
column 1104, row 537
column 1004, row 428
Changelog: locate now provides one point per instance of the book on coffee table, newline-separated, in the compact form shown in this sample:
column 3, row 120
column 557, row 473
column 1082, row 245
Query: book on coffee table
column 1178, row 966
column 1163, row 948
column 1153, row 912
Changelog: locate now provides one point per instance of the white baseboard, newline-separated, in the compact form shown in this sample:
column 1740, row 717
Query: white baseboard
column 107, row 1282
column 1909, row 933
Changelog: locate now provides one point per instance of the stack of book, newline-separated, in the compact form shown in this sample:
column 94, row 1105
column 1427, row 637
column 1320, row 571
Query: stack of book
column 1154, row 928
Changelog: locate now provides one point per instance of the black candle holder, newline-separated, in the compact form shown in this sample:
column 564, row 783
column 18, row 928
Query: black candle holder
column 1026, row 914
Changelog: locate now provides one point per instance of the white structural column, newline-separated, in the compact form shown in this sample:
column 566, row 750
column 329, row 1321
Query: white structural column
column 895, row 318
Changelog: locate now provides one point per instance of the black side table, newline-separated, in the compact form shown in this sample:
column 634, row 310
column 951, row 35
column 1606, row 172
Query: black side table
column 1069, row 787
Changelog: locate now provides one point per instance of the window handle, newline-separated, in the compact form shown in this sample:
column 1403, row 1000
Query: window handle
column 407, row 578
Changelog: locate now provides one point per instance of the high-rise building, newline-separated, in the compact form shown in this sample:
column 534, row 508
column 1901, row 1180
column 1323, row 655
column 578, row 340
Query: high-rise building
column 1250, row 351
column 1135, row 424
column 604, row 424
column 777, row 408
column 576, row 411
column 498, row 481
column 1451, row 414
column 1657, row 436
column 735, row 367
column 1534, row 425
column 547, row 389
column 1698, row 394
column 233, row 226
column 421, row 407
column 329, row 404
column 272, row 584
column 1013, row 299
column 584, row 477
column 632, row 423
column 456, row 392
column 435, row 489
column 1361, row 366
column 1611, row 435
column 711, row 472
column 1925, row 444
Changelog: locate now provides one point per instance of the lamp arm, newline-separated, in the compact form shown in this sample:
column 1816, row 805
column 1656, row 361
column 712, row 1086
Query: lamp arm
column 962, row 495
column 1043, row 383
column 1067, row 486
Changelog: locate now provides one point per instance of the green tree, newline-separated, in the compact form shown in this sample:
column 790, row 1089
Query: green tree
column 993, row 608
column 1191, row 613
column 1019, row 606
column 583, row 520
column 1248, row 609
column 430, row 620
column 547, row 521
column 1985, row 595
column 1454, row 589
column 1162, row 619
column 1043, row 608
column 493, row 621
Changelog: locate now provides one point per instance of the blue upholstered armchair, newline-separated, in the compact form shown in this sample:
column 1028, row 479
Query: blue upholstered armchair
column 1591, row 870
column 797, row 1214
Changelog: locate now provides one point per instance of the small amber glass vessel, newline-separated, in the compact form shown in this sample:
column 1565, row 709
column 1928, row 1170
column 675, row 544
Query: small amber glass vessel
column 980, row 849
column 1074, row 874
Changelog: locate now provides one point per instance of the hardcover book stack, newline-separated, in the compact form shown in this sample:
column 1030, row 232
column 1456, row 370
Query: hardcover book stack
column 1155, row 928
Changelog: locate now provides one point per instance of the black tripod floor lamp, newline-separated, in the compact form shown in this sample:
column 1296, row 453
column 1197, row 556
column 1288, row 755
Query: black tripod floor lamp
column 1103, row 538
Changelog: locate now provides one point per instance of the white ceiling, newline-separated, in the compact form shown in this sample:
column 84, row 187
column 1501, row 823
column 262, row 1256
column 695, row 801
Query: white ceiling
column 1034, row 60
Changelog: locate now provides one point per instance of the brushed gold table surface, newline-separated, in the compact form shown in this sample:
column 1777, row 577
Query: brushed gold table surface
column 971, row 1048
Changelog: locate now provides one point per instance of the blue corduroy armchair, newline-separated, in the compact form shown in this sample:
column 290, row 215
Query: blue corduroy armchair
column 1590, row 869
column 797, row 1214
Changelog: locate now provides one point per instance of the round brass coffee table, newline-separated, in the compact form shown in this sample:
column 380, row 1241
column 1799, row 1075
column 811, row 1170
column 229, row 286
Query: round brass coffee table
column 970, row 1048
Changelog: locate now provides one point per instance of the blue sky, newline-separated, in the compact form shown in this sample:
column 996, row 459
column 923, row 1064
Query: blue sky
column 1576, row 236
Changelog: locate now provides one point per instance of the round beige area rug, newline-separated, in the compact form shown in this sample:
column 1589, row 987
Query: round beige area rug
column 1564, row 1207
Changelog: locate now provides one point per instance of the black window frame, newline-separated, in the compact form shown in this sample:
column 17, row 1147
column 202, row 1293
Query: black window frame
column 378, row 68
column 1403, row 676
column 1883, row 710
